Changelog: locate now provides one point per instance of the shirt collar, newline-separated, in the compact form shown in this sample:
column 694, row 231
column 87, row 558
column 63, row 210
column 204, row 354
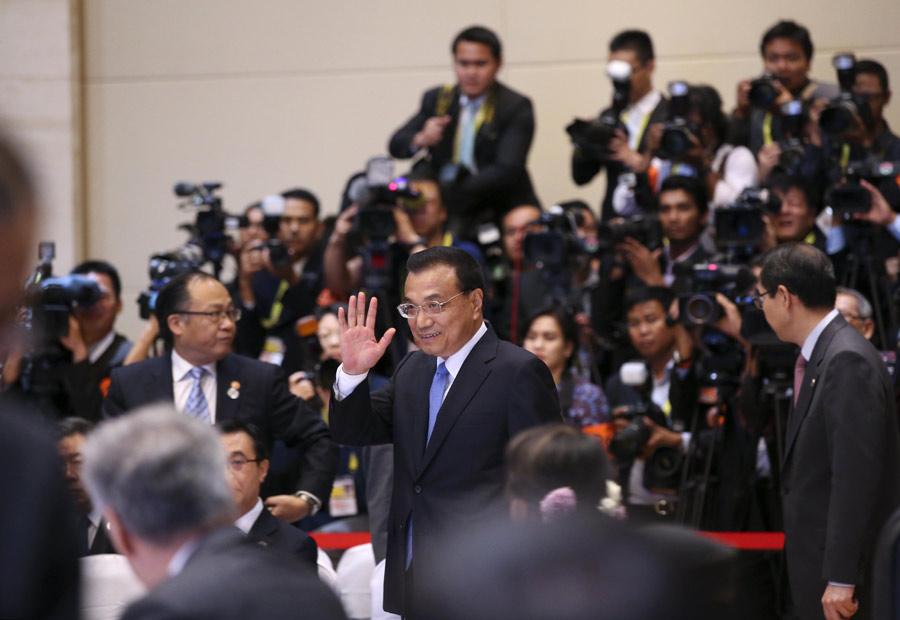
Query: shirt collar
column 94, row 516
column 645, row 105
column 100, row 347
column 181, row 557
column 810, row 343
column 464, row 100
column 181, row 367
column 454, row 362
column 245, row 523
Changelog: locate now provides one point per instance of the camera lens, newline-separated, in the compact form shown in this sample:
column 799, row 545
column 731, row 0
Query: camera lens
column 700, row 309
column 763, row 93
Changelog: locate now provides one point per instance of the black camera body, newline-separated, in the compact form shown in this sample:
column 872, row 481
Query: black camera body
column 740, row 226
column 763, row 92
column 52, row 301
column 849, row 197
column 699, row 307
column 378, row 193
column 679, row 134
column 662, row 468
column 644, row 229
column 844, row 110
column 593, row 137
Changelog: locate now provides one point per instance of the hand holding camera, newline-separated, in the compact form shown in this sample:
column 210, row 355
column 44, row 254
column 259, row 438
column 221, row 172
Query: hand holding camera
column 432, row 132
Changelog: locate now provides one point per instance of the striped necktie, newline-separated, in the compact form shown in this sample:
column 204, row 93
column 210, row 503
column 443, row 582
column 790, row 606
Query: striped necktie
column 196, row 405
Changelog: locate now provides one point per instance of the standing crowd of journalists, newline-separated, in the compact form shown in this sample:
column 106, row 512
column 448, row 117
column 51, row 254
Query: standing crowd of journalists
column 530, row 408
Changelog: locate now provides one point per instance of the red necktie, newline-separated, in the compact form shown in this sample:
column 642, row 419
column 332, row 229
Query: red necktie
column 799, row 370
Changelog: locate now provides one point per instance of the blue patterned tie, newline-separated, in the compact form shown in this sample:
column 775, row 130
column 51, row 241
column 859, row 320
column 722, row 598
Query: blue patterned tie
column 467, row 135
column 196, row 405
column 435, row 399
column 436, row 396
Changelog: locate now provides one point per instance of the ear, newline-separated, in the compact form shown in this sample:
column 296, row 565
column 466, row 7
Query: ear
column 785, row 293
column 174, row 323
column 477, row 299
column 263, row 470
column 120, row 537
column 570, row 348
column 651, row 65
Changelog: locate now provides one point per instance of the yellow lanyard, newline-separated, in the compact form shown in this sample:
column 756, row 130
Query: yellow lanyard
column 767, row 129
column 644, row 122
column 277, row 306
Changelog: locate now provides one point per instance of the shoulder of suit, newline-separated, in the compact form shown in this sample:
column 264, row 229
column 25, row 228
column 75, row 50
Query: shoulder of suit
column 139, row 368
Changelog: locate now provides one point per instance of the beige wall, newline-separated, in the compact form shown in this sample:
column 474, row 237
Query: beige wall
column 40, row 108
column 269, row 94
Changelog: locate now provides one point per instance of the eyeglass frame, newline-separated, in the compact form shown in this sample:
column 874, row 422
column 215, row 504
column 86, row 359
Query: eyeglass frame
column 238, row 463
column 759, row 299
column 439, row 305
column 234, row 314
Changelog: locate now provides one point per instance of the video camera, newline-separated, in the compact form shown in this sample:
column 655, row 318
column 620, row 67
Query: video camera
column 740, row 227
column 678, row 134
column 699, row 306
column 378, row 193
column 208, row 241
column 849, row 197
column 593, row 137
column 559, row 240
column 645, row 229
column 661, row 470
column 847, row 108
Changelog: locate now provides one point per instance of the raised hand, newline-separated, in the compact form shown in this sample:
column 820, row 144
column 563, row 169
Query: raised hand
column 360, row 351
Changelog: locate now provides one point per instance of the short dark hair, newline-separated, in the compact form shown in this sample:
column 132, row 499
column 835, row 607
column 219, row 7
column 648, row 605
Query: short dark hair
column 173, row 297
column 637, row 41
column 227, row 427
column 781, row 182
column 298, row 193
column 787, row 29
column 104, row 267
column 706, row 101
column 17, row 189
column 873, row 67
column 643, row 294
column 548, row 457
column 802, row 269
column 479, row 34
column 566, row 321
column 694, row 187
column 73, row 425
column 468, row 273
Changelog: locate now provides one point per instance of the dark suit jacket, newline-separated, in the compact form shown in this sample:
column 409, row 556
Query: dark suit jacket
column 841, row 468
column 101, row 543
column 457, row 482
column 38, row 536
column 267, row 531
column 230, row 577
column 263, row 400
column 501, row 150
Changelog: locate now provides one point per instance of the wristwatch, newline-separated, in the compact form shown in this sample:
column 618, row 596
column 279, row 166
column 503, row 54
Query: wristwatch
column 312, row 500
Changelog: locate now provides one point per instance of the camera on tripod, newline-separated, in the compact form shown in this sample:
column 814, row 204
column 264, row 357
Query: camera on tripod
column 662, row 467
column 208, row 241
column 645, row 229
column 849, row 197
column 593, row 137
column 378, row 193
column 740, row 226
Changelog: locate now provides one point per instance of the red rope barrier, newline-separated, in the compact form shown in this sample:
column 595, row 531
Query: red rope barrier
column 747, row 541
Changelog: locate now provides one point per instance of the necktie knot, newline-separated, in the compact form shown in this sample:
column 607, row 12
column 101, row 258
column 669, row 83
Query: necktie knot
column 441, row 371
column 196, row 373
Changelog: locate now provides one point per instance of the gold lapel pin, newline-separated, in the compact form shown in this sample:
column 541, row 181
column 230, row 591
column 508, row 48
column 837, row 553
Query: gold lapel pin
column 234, row 390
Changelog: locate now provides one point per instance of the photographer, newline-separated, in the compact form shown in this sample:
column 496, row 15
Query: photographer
column 477, row 134
column 667, row 350
column 787, row 51
column 682, row 216
column 625, row 156
column 92, row 348
column 278, row 284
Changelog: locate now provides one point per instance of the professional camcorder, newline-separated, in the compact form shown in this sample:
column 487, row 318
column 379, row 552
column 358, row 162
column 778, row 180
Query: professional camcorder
column 593, row 137
column 740, row 227
column 699, row 306
column 644, row 229
column 849, row 196
column 678, row 134
column 378, row 193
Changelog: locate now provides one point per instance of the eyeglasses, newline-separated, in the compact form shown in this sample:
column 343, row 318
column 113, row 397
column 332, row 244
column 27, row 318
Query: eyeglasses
column 216, row 315
column 758, row 299
column 411, row 311
column 237, row 463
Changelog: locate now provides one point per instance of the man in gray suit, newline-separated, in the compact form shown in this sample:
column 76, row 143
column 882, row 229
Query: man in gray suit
column 841, row 467
column 160, row 480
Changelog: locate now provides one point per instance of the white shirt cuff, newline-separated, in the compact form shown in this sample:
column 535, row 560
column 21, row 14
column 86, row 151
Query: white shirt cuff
column 344, row 384
column 894, row 228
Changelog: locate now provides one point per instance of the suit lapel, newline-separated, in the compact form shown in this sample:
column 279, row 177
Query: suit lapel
column 472, row 374
column 160, row 385
column 264, row 528
column 418, row 409
column 810, row 380
column 227, row 373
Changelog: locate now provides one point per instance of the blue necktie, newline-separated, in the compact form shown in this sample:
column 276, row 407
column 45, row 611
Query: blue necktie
column 435, row 399
column 196, row 405
column 467, row 135
column 436, row 396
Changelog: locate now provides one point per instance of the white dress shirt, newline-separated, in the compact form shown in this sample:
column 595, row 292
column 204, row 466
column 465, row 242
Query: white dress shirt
column 245, row 523
column 809, row 344
column 99, row 348
column 182, row 383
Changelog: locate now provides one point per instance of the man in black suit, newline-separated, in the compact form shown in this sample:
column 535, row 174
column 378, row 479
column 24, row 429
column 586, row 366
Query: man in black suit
column 175, row 528
column 477, row 134
column 449, row 410
column 91, row 527
column 248, row 465
column 842, row 449
column 207, row 381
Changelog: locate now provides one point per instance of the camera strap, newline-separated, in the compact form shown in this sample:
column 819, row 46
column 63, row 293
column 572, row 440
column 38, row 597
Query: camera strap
column 277, row 306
